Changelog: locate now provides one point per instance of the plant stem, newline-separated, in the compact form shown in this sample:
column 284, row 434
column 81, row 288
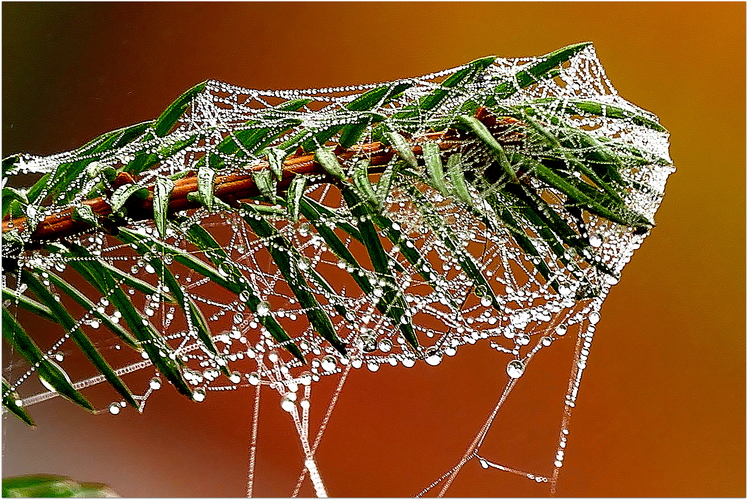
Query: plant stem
column 232, row 187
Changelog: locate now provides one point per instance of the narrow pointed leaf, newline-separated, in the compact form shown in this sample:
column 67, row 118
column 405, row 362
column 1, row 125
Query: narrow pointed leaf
column 10, row 401
column 457, row 179
column 434, row 220
column 265, row 183
column 402, row 147
column 161, row 193
column 329, row 161
column 83, row 342
column 50, row 372
column 392, row 295
column 205, row 177
column 293, row 196
column 281, row 250
column 123, row 193
column 497, row 151
column 84, row 302
column 275, row 160
column 29, row 304
column 169, row 117
column 432, row 158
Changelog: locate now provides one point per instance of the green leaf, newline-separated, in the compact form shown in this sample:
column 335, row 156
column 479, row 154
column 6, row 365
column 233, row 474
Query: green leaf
column 361, row 181
column 123, row 193
column 538, row 70
column 293, row 196
column 497, row 151
column 49, row 486
column 13, row 194
column 457, row 179
column 329, row 161
column 266, row 183
column 600, row 109
column 203, row 240
column 10, row 401
column 162, row 189
column 84, row 213
column 50, row 372
column 384, row 185
column 169, row 117
column 463, row 76
column 402, row 147
column 588, row 198
column 205, row 179
column 275, row 160
column 154, row 345
column 282, row 251
column 88, row 305
column 393, row 300
column 432, row 158
column 29, row 304
column 85, row 344
column 445, row 234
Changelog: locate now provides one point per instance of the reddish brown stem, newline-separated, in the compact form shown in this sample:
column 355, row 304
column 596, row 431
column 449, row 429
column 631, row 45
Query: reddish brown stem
column 228, row 188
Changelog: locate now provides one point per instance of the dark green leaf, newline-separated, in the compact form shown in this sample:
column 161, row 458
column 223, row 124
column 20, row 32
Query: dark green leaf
column 48, row 371
column 85, row 344
column 169, row 117
column 162, row 189
column 10, row 401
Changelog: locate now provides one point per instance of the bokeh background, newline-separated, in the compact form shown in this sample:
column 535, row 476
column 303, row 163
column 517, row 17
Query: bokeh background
column 661, row 411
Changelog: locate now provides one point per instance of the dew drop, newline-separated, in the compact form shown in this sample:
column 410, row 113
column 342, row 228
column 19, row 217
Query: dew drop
column 114, row 408
column 594, row 317
column 328, row 363
column 235, row 377
column 385, row 345
column 238, row 318
column 155, row 383
column 263, row 308
column 149, row 269
column 515, row 368
column 596, row 240
column 59, row 356
column 433, row 356
column 561, row 330
column 287, row 404
column 244, row 296
column 253, row 378
column 199, row 395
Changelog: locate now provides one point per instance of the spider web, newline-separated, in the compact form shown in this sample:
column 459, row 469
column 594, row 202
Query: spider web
column 447, row 309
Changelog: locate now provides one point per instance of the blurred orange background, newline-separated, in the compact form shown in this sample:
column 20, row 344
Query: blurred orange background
column 661, row 411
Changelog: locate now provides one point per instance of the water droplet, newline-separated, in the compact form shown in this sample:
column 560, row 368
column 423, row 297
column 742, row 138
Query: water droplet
column 199, row 395
column 155, row 383
column 238, row 318
column 594, row 317
column 287, row 403
column 522, row 339
column 328, row 363
column 515, row 368
column 385, row 345
column 561, row 330
column 408, row 362
column 305, row 404
column 263, row 308
column 483, row 463
column 433, row 356
column 59, row 356
column 253, row 378
column 305, row 378
column 223, row 269
column 149, row 269
column 450, row 351
column 485, row 302
column 114, row 408
column 368, row 343
column 372, row 366
column 235, row 377
column 596, row 240
column 244, row 295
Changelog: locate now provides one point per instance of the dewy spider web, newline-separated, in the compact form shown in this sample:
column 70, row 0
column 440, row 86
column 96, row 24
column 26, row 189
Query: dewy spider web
column 452, row 267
